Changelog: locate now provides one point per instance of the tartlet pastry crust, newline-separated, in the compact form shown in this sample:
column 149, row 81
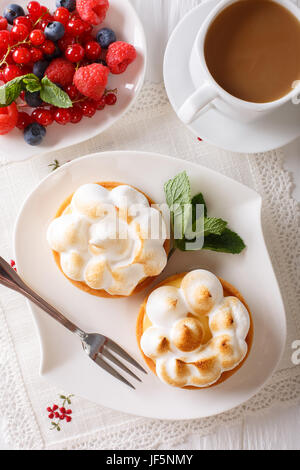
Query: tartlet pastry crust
column 63, row 209
column 189, row 343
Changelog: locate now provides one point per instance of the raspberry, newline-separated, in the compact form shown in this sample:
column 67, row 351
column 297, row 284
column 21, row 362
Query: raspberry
column 119, row 56
column 92, row 11
column 61, row 71
column 91, row 81
column 8, row 118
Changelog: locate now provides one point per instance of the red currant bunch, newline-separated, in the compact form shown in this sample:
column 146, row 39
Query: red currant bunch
column 62, row 15
column 75, row 53
column 92, row 50
column 34, row 10
column 62, row 116
column 22, row 55
column 43, row 116
column 37, row 37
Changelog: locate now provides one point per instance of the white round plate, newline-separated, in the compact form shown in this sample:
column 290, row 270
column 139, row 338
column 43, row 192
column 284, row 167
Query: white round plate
column 266, row 133
column 123, row 19
column 63, row 360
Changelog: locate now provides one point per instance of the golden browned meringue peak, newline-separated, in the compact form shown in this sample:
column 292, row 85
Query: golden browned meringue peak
column 175, row 339
column 103, row 239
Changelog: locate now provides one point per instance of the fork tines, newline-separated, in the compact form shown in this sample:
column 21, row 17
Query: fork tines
column 106, row 352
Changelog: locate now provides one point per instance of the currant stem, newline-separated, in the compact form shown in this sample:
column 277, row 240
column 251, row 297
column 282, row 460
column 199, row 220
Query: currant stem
column 26, row 41
column 10, row 48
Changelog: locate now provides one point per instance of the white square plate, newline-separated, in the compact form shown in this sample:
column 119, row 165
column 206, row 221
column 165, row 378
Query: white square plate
column 63, row 360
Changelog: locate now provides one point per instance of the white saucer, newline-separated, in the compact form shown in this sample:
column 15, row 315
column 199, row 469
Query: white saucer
column 63, row 360
column 271, row 131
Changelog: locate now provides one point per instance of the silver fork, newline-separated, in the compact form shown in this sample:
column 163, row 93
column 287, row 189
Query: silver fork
column 98, row 347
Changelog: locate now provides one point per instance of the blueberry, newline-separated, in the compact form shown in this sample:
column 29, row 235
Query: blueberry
column 39, row 68
column 57, row 53
column 54, row 31
column 33, row 99
column 69, row 4
column 105, row 37
column 12, row 12
column 34, row 133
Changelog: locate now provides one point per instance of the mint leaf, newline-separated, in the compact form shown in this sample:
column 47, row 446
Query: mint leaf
column 205, row 227
column 199, row 199
column 178, row 190
column 10, row 91
column 32, row 84
column 210, row 233
column 214, row 226
column 52, row 94
column 178, row 197
column 228, row 242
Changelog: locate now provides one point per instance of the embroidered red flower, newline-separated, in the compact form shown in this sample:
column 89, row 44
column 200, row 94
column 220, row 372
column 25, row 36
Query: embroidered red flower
column 59, row 413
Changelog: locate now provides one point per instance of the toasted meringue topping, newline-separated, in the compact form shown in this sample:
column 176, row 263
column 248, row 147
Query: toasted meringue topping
column 187, row 334
column 186, row 354
column 103, row 239
column 165, row 305
column 155, row 343
column 202, row 291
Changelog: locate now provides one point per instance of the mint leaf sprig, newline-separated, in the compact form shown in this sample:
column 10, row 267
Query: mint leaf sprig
column 214, row 231
column 49, row 92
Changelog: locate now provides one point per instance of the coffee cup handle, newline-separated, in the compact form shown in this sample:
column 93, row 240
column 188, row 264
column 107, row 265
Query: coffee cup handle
column 196, row 102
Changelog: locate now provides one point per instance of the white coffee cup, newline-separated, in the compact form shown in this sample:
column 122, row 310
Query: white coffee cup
column 209, row 90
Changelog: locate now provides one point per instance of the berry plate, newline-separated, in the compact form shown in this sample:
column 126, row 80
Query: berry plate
column 63, row 360
column 122, row 19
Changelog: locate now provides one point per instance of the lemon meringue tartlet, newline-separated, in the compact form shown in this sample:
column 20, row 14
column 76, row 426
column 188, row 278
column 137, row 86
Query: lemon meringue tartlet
column 102, row 239
column 194, row 330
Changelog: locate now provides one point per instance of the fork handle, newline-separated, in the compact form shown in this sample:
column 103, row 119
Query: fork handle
column 27, row 292
column 53, row 312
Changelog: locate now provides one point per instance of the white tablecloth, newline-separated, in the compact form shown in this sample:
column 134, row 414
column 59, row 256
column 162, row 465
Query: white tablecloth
column 24, row 395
